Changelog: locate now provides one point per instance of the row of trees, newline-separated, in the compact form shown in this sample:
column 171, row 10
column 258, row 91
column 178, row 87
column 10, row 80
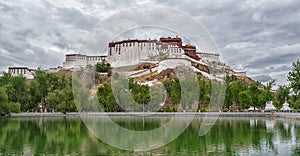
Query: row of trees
column 244, row 96
column 294, row 85
column 48, row 91
column 125, row 94
column 241, row 96
column 238, row 96
column 5, row 105
column 53, row 92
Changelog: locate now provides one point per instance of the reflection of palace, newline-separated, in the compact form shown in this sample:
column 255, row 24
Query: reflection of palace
column 270, row 125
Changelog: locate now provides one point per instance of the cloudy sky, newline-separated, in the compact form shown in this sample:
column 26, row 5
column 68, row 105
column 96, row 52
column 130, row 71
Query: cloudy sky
column 261, row 37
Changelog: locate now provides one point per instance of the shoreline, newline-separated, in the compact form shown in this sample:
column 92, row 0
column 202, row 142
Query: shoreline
column 295, row 116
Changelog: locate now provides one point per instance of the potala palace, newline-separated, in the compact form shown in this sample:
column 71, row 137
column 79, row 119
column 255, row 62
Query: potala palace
column 132, row 52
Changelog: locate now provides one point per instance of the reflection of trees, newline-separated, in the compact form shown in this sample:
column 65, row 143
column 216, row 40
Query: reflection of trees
column 63, row 136
column 297, row 131
column 285, row 132
column 296, row 151
column 227, row 136
column 59, row 136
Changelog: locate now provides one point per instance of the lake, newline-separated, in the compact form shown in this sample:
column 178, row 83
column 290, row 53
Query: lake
column 70, row 136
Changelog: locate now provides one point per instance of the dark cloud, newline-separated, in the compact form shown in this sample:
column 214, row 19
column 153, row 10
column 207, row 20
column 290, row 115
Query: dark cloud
column 272, row 60
column 76, row 18
column 263, row 78
column 4, row 8
column 261, row 37
column 39, row 34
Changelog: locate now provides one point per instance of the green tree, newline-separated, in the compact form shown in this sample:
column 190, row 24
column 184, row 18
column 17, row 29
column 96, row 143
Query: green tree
column 282, row 94
column 14, row 107
column 228, row 94
column 295, row 103
column 19, row 86
column 66, row 101
column 235, row 88
column 266, row 94
column 254, row 93
column 3, row 101
column 204, row 90
column 35, row 96
column 107, row 99
column 141, row 95
column 103, row 67
column 175, row 92
column 5, row 79
column 6, row 106
column 43, row 84
column 16, row 89
column 294, row 78
column 53, row 99
column 245, row 100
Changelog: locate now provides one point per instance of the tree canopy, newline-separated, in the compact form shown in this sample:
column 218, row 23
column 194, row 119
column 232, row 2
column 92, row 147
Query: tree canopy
column 294, row 78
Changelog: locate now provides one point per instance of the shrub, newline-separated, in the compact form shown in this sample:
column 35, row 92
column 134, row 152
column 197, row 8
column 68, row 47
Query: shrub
column 14, row 107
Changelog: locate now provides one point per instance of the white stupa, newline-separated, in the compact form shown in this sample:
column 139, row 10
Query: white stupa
column 270, row 106
column 286, row 106
column 251, row 108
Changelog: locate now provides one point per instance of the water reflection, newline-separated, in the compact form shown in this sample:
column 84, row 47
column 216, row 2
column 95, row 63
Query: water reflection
column 232, row 136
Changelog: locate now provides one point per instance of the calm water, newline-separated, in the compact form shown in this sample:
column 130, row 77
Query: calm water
column 229, row 136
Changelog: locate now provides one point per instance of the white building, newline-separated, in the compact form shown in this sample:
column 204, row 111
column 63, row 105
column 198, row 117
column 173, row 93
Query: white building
column 76, row 61
column 209, row 57
column 54, row 70
column 173, row 63
column 22, row 71
column 131, row 52
column 242, row 73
